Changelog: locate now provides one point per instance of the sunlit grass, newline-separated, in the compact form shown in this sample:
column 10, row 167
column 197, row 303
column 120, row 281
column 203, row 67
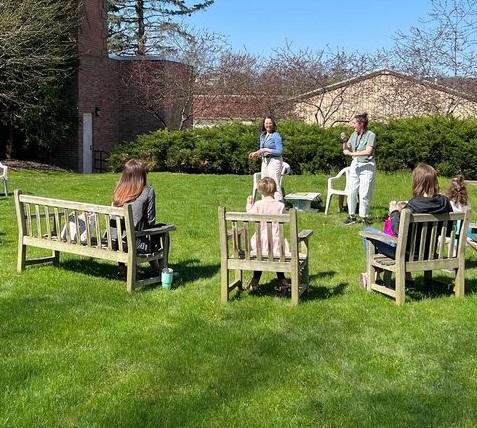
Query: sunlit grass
column 77, row 350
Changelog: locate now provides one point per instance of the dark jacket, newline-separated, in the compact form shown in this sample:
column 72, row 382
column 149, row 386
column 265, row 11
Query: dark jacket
column 421, row 205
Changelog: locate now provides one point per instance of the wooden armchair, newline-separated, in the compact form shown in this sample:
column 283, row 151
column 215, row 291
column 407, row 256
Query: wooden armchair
column 425, row 242
column 236, row 254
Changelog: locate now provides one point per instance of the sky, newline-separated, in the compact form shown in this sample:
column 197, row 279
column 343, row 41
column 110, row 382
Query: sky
column 259, row 26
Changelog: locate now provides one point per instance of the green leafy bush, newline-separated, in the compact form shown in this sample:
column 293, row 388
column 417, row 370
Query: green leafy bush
column 447, row 143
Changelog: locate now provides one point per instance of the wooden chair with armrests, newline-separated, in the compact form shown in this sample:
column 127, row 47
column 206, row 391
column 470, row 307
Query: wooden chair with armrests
column 421, row 245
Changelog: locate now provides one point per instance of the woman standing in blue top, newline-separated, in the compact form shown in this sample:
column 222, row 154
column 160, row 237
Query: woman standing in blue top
column 271, row 149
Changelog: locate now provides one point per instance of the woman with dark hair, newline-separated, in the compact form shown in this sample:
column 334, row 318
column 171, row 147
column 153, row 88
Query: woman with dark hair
column 133, row 189
column 270, row 151
column 360, row 146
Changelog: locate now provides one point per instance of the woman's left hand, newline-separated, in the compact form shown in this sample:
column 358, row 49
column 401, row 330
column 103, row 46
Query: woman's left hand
column 346, row 152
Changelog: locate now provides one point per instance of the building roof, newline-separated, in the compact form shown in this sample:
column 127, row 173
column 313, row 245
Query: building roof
column 239, row 107
column 385, row 72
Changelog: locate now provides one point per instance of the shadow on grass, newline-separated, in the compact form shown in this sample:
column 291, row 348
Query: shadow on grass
column 271, row 288
column 92, row 267
column 440, row 286
column 188, row 270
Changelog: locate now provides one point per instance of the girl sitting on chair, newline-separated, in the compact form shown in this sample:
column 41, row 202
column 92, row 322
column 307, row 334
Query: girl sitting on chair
column 267, row 205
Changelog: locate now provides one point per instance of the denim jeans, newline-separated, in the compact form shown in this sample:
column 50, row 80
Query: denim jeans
column 384, row 248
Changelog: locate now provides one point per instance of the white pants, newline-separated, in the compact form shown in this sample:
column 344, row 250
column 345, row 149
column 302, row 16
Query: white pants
column 272, row 167
column 361, row 183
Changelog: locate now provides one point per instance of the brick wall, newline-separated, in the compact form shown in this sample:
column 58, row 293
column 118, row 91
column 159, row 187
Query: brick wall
column 99, row 88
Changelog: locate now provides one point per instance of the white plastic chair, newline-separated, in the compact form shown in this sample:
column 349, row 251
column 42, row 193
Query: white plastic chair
column 342, row 193
column 258, row 175
column 4, row 177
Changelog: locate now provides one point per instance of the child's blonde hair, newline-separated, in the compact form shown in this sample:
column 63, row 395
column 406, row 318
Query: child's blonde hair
column 457, row 192
column 267, row 186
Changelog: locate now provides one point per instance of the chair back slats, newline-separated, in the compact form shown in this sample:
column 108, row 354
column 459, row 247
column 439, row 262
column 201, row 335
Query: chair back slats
column 38, row 221
column 88, row 225
column 108, row 232
column 281, row 237
column 412, row 240
column 258, row 240
column 28, row 220
column 46, row 211
column 246, row 241
column 442, row 241
column 78, row 229
column 270, row 240
column 452, row 244
column 433, row 241
column 119, row 228
column 84, row 225
column 243, row 229
column 57, row 224
column 235, row 239
column 431, row 237
column 422, row 242
column 67, row 226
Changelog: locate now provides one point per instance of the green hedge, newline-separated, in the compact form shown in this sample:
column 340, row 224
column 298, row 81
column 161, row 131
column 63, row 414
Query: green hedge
column 448, row 144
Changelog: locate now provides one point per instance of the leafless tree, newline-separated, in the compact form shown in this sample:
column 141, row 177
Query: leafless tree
column 444, row 44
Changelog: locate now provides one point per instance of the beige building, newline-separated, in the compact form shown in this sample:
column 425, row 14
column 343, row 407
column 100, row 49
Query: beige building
column 384, row 94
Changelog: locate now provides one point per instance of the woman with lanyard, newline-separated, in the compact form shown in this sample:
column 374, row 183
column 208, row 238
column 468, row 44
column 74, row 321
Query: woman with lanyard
column 360, row 146
column 271, row 149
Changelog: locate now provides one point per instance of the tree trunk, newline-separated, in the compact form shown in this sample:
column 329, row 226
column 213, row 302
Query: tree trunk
column 141, row 28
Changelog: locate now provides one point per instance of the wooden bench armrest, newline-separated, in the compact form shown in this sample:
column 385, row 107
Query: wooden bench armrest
column 387, row 239
column 159, row 230
column 304, row 234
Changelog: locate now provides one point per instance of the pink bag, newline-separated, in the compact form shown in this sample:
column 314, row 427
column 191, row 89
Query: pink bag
column 388, row 230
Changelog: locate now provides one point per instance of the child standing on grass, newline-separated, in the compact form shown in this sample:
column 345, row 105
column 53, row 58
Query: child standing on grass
column 267, row 205
column 459, row 199
column 457, row 194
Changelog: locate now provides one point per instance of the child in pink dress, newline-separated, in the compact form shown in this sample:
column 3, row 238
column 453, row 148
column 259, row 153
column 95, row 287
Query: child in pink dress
column 267, row 205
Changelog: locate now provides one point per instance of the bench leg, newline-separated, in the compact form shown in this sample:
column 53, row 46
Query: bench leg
column 459, row 288
column 131, row 277
column 295, row 282
column 21, row 259
column 224, row 284
column 56, row 257
column 400, row 287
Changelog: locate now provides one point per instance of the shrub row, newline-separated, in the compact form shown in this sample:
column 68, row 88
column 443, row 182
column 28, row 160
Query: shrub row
column 447, row 143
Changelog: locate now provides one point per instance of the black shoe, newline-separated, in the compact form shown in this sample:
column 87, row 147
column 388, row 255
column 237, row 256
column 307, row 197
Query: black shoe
column 350, row 220
column 366, row 221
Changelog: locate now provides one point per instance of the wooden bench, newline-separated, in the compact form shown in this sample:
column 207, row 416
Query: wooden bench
column 235, row 230
column 46, row 223
column 425, row 242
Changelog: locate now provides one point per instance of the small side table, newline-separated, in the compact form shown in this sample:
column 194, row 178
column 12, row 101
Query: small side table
column 302, row 200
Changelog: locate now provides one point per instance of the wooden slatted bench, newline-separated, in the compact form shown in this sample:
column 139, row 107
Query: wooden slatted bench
column 46, row 223
column 236, row 229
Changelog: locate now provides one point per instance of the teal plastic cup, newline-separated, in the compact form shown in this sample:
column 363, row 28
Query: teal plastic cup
column 166, row 278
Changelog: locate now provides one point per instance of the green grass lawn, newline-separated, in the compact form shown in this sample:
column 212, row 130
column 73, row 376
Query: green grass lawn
column 77, row 350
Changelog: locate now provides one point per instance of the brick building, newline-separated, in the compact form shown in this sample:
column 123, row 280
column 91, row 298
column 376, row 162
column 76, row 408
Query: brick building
column 107, row 111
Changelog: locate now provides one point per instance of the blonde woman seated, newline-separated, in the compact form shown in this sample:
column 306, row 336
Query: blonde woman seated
column 267, row 205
